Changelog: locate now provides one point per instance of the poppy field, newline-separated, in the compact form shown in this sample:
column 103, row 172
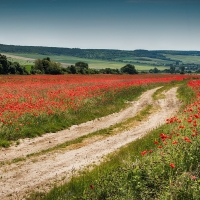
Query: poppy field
column 34, row 105
column 165, row 164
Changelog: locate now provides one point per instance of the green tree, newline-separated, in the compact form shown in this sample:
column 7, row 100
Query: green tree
column 46, row 66
column 155, row 70
column 172, row 69
column 182, row 70
column 81, row 65
column 7, row 67
column 129, row 69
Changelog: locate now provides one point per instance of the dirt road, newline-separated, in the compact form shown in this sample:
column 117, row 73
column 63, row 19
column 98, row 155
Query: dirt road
column 17, row 179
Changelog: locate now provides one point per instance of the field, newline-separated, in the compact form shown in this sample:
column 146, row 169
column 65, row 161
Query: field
column 141, row 63
column 185, row 59
column 27, row 59
column 94, row 113
column 145, row 60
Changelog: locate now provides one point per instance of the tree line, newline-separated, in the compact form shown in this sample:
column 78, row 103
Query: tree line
column 7, row 67
column 102, row 54
column 47, row 66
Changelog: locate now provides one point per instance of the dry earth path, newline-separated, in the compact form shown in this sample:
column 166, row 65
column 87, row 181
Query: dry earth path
column 41, row 172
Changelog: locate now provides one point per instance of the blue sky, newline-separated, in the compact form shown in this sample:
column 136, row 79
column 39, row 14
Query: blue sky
column 104, row 24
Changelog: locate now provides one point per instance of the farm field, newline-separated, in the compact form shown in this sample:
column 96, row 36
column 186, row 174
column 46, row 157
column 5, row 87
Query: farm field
column 185, row 59
column 34, row 105
column 145, row 60
column 26, row 59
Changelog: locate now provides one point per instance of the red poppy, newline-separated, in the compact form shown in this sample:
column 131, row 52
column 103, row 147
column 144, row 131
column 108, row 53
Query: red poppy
column 187, row 139
column 92, row 187
column 172, row 165
column 144, row 152
column 156, row 142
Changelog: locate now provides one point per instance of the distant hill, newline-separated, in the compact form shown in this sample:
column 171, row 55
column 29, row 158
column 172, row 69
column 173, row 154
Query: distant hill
column 102, row 54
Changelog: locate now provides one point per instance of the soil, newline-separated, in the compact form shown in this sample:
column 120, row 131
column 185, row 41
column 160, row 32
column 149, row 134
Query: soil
column 41, row 172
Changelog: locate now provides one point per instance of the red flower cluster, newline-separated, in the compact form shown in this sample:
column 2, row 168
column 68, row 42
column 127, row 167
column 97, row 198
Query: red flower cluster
column 41, row 94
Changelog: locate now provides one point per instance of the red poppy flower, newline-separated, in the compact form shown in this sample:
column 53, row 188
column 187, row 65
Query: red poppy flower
column 144, row 152
column 156, row 142
column 172, row 165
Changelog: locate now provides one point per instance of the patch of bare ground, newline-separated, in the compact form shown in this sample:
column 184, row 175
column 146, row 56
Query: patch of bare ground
column 43, row 171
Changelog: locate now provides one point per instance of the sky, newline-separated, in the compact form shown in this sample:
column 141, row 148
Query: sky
column 102, row 24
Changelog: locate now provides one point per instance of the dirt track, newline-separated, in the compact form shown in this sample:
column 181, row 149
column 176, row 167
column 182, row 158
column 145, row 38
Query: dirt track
column 19, row 178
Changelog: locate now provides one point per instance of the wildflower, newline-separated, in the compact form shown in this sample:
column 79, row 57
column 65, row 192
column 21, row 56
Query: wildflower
column 193, row 135
column 150, row 151
column 163, row 136
column 187, row 139
column 156, row 142
column 172, row 165
column 193, row 177
column 174, row 142
column 92, row 187
column 160, row 147
column 144, row 152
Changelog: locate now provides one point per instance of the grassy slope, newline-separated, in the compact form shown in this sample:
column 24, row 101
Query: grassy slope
column 96, row 64
column 184, row 59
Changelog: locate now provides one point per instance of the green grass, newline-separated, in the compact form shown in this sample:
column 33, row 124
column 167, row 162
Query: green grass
column 110, row 178
column 145, row 60
column 158, row 94
column 95, row 64
column 28, row 67
column 184, row 59
column 21, row 62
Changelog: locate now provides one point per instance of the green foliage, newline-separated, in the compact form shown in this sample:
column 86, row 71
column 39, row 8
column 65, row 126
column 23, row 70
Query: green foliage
column 81, row 65
column 129, row 69
column 83, row 68
column 109, row 71
column 7, row 67
column 46, row 66
column 154, row 71
column 4, row 143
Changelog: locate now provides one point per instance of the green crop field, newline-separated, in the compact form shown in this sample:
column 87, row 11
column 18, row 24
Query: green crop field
column 22, row 62
column 184, row 59
column 144, row 60
column 95, row 64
